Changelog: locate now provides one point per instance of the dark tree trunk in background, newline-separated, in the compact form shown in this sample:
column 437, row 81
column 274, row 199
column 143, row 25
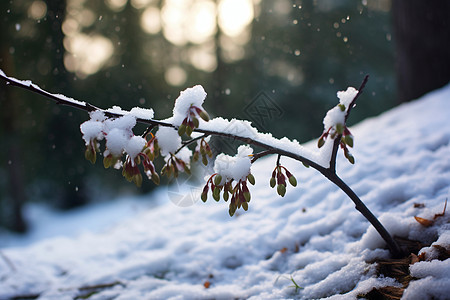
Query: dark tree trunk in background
column 9, row 119
column 422, row 34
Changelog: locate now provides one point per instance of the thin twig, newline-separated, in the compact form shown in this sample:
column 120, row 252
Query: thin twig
column 187, row 143
column 337, row 140
column 261, row 154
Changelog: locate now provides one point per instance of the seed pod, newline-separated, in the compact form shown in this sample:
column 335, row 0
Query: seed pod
column 342, row 107
column 339, row 128
column 251, row 179
column 181, row 129
column 247, row 196
column 217, row 179
column 189, row 130
column 90, row 155
column 245, row 206
column 195, row 121
column 155, row 178
column 138, row 179
column 292, row 180
column 216, row 194
column 231, row 210
column 272, row 182
column 107, row 161
column 204, row 196
column 204, row 160
column 202, row 151
column 281, row 189
column 204, row 115
column 305, row 164
column 321, row 142
column 348, row 139
column 225, row 195
column 351, row 159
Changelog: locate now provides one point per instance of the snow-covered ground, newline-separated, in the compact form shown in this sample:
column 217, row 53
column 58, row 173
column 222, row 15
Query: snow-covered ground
column 313, row 235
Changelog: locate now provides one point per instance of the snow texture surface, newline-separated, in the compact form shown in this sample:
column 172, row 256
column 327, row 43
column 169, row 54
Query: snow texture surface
column 313, row 235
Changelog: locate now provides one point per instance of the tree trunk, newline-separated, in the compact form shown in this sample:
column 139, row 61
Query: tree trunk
column 9, row 117
column 422, row 35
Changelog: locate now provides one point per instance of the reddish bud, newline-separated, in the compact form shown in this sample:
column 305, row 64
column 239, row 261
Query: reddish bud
column 321, row 142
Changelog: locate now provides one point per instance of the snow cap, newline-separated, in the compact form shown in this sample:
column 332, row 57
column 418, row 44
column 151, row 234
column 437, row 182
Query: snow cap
column 234, row 167
column 193, row 96
column 335, row 115
column 168, row 140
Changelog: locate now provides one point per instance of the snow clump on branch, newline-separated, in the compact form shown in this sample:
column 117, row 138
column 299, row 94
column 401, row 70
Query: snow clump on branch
column 168, row 140
column 234, row 167
column 191, row 97
column 337, row 114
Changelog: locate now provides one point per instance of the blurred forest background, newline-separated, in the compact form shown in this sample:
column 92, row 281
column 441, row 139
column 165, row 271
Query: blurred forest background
column 277, row 63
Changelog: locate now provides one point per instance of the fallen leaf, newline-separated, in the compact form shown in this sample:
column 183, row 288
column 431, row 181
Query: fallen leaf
column 428, row 223
column 424, row 222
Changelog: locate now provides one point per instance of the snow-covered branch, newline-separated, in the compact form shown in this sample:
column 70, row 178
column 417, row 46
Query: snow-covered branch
column 190, row 123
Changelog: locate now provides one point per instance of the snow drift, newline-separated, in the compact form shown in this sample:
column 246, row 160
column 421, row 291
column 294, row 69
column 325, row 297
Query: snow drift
column 312, row 235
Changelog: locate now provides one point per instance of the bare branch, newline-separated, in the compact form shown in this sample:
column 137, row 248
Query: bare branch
column 187, row 143
column 261, row 154
column 338, row 138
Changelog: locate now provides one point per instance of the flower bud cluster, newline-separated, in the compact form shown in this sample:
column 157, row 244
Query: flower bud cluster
column 204, row 150
column 174, row 166
column 278, row 179
column 191, row 121
column 346, row 139
column 239, row 193
column 130, row 168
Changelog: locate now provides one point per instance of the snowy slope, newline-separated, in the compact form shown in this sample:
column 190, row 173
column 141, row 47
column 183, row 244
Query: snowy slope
column 313, row 234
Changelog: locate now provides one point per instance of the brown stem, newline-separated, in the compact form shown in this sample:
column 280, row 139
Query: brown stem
column 261, row 154
column 362, row 208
